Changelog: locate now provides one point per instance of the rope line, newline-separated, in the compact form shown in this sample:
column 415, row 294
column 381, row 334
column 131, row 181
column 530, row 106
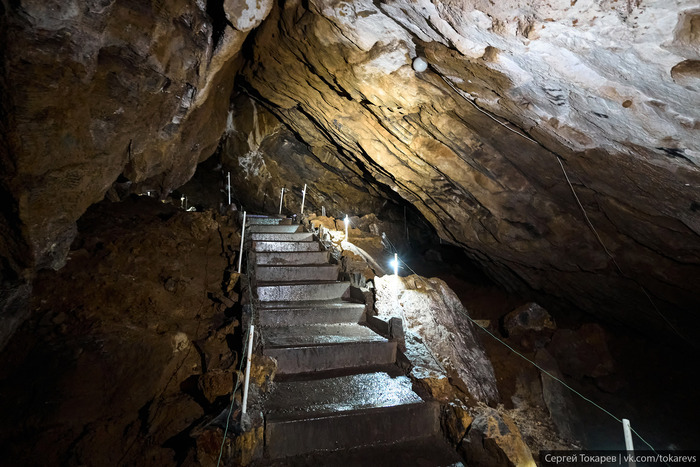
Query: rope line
column 233, row 399
column 468, row 98
column 471, row 100
column 530, row 361
column 240, row 365
column 617, row 266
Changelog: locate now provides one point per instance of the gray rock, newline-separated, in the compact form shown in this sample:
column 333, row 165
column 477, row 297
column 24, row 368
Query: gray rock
column 431, row 310
column 558, row 399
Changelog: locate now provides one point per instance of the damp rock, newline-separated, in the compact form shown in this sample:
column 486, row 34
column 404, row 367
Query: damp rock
column 494, row 439
column 215, row 383
column 170, row 285
column 583, row 352
column 530, row 326
column 432, row 311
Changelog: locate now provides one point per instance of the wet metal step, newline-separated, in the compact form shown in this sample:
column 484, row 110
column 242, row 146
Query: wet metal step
column 344, row 412
column 267, row 228
column 292, row 257
column 314, row 272
column 429, row 451
column 267, row 220
column 282, row 237
column 350, row 313
column 290, row 291
column 286, row 246
column 307, row 349
column 323, row 312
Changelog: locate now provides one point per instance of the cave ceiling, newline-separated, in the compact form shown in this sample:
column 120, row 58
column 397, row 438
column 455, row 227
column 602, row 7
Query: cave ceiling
column 557, row 143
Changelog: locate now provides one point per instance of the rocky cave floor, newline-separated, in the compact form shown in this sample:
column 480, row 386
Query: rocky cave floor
column 634, row 377
column 127, row 353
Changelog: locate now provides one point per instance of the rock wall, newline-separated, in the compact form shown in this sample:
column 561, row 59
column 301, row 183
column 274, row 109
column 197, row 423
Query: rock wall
column 109, row 88
column 264, row 156
column 430, row 310
column 532, row 123
column 97, row 90
column 114, row 367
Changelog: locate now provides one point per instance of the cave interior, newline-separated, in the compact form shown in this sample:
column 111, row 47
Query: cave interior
column 531, row 156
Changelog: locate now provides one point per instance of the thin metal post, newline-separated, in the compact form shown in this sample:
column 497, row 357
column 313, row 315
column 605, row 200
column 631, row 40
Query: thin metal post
column 347, row 221
column 247, row 368
column 303, row 198
column 323, row 211
column 229, row 187
column 629, row 444
column 396, row 264
column 240, row 253
column 281, row 198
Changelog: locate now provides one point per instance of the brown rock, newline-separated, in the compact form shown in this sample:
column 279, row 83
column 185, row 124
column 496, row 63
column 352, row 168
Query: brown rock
column 583, row 352
column 262, row 371
column 529, row 326
column 248, row 446
column 215, row 383
column 559, row 399
column 98, row 91
column 455, row 421
column 493, row 439
column 208, row 446
column 231, row 282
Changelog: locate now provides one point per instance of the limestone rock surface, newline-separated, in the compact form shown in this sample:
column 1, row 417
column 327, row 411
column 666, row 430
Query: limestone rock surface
column 432, row 311
column 533, row 123
column 556, row 142
column 494, row 439
column 103, row 91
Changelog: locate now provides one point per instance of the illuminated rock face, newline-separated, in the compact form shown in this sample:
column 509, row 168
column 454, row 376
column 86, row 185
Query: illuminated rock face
column 264, row 156
column 514, row 94
column 517, row 97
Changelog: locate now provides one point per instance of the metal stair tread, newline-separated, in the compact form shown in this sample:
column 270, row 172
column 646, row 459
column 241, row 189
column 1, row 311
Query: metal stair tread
column 304, row 282
column 427, row 451
column 318, row 335
column 337, row 303
column 331, row 396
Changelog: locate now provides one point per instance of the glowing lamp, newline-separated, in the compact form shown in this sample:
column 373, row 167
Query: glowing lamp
column 395, row 264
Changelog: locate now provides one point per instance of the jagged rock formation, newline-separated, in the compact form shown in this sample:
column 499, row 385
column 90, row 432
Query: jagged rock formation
column 431, row 310
column 519, row 100
column 102, row 90
column 522, row 106
column 265, row 156
column 115, row 365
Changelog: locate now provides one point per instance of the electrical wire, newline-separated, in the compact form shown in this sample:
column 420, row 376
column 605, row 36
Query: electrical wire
column 471, row 100
column 530, row 361
column 617, row 266
column 240, row 365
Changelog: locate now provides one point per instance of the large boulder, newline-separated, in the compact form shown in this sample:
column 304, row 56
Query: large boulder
column 432, row 311
column 558, row 399
column 493, row 439
column 530, row 326
column 583, row 352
